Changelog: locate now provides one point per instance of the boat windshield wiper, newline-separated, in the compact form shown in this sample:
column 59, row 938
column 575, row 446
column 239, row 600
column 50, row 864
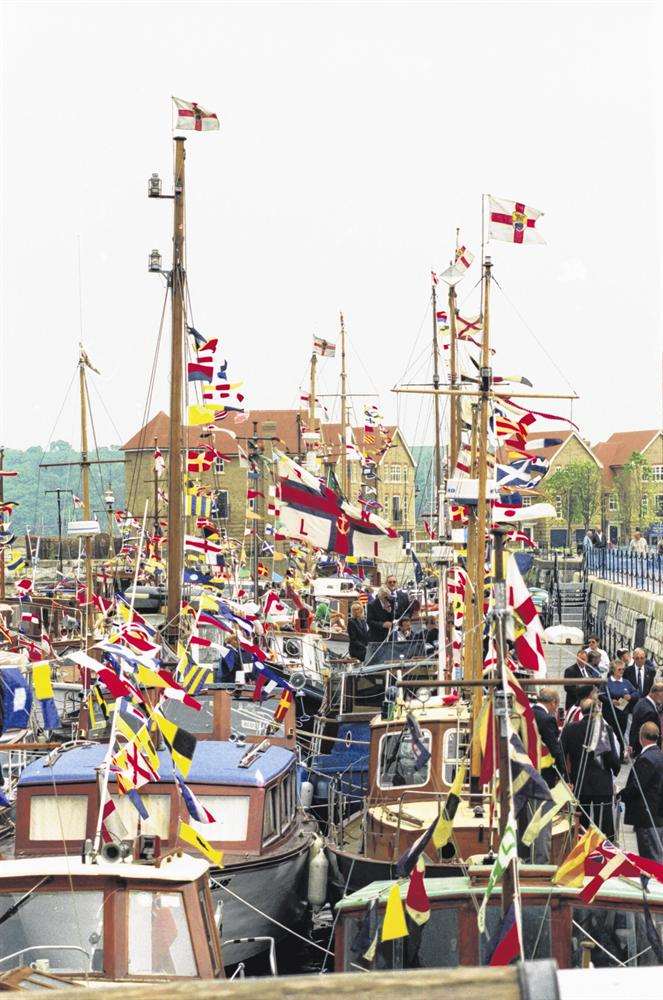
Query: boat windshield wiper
column 19, row 902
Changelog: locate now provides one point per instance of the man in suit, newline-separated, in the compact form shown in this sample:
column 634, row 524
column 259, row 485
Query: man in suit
column 641, row 672
column 592, row 754
column 643, row 794
column 646, row 709
column 581, row 668
column 552, row 765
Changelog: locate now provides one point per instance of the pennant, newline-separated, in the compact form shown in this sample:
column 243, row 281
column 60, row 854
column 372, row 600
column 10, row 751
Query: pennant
column 560, row 795
column 507, row 852
column 505, row 944
column 112, row 827
column 444, row 825
column 192, row 837
column 571, row 871
column 195, row 808
column 393, row 924
column 417, row 903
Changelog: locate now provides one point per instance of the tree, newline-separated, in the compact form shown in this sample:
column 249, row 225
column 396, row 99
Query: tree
column 630, row 487
column 577, row 484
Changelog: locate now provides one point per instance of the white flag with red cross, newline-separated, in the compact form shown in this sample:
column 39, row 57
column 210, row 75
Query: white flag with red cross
column 513, row 222
column 193, row 118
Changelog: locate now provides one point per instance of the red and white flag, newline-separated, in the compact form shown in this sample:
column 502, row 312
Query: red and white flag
column 324, row 347
column 191, row 117
column 159, row 463
column 460, row 266
column 527, row 631
column 77, row 502
column 513, row 222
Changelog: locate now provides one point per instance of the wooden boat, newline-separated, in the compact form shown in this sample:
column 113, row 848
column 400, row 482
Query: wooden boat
column 403, row 801
column 609, row 932
column 85, row 923
column 263, row 833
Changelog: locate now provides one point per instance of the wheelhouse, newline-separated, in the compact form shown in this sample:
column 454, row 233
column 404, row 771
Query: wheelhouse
column 109, row 921
column 254, row 803
column 609, row 932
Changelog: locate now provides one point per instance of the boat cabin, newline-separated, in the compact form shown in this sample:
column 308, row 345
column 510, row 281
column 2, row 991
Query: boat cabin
column 609, row 932
column 226, row 713
column 97, row 921
column 254, row 804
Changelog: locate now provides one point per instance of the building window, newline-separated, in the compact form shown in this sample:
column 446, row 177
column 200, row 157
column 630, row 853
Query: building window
column 657, row 473
column 659, row 505
column 644, row 505
column 219, row 466
column 396, row 509
column 395, row 473
column 221, row 505
column 558, row 506
column 612, row 503
column 527, row 502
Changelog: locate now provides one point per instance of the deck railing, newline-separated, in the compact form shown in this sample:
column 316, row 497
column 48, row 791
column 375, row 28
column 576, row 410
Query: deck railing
column 642, row 572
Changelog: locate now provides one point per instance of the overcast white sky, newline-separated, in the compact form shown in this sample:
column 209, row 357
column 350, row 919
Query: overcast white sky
column 354, row 139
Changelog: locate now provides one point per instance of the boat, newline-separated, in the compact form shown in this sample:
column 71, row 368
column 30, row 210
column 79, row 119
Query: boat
column 608, row 933
column 75, row 920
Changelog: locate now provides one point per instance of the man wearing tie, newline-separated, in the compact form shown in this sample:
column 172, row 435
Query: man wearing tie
column 640, row 673
column 575, row 693
column 646, row 709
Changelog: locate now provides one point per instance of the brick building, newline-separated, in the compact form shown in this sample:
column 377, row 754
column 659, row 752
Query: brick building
column 228, row 475
column 614, row 454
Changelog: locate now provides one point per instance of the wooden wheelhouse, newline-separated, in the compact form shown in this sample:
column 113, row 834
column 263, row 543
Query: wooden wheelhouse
column 609, row 932
column 124, row 922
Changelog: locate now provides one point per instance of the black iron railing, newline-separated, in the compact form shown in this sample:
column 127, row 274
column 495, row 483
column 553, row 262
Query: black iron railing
column 611, row 638
column 642, row 572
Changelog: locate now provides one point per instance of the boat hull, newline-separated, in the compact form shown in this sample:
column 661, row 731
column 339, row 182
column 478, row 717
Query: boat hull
column 274, row 889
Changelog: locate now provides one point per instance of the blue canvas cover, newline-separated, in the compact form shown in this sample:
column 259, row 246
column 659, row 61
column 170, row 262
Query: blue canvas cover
column 16, row 699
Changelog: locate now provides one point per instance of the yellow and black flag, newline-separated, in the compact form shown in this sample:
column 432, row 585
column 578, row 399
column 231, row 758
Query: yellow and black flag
column 182, row 745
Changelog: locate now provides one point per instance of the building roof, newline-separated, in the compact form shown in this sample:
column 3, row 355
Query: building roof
column 215, row 762
column 619, row 447
column 281, row 424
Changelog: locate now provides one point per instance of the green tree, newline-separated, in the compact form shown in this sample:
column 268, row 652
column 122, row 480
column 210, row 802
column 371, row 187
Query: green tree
column 577, row 487
column 631, row 485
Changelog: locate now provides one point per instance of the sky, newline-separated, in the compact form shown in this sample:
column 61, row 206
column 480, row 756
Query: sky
column 354, row 140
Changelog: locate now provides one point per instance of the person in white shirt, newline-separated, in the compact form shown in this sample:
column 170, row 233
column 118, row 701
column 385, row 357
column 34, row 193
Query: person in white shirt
column 593, row 647
column 639, row 544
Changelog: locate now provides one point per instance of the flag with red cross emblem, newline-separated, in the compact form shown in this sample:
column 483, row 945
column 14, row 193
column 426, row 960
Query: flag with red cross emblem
column 513, row 222
column 192, row 117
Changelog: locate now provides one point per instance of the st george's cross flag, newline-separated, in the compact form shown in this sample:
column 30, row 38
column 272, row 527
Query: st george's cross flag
column 513, row 222
column 191, row 117
column 324, row 348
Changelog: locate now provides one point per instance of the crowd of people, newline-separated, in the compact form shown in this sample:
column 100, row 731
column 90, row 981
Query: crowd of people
column 613, row 719
column 594, row 538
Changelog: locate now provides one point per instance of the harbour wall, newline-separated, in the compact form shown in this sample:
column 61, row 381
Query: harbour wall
column 623, row 616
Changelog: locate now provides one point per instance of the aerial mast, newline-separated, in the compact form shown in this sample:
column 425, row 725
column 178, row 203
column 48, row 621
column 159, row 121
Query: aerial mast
column 436, row 404
column 175, row 443
column 345, row 476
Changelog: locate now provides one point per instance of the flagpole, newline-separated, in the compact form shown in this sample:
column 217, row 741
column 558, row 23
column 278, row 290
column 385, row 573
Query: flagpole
column 345, row 477
column 510, row 885
column 111, row 738
column 436, row 385
column 85, row 483
column 454, row 422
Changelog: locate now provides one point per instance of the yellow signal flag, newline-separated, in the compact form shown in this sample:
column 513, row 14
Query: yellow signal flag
column 141, row 737
column 192, row 837
column 394, row 924
column 561, row 794
column 207, row 602
column 182, row 745
column 149, row 678
column 444, row 826
column 41, row 680
column 198, row 416
column 572, row 869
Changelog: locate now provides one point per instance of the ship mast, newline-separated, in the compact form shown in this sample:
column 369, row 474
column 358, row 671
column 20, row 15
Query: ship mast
column 345, row 477
column 454, row 401
column 175, row 443
column 311, row 460
column 436, row 404
column 85, row 487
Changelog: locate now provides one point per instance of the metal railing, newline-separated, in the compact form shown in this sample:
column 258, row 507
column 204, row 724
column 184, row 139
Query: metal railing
column 611, row 638
column 642, row 572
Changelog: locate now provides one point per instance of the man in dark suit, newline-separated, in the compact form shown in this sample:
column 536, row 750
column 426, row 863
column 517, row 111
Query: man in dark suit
column 641, row 673
column 646, row 710
column 592, row 754
column 552, row 765
column 581, row 668
column 643, row 794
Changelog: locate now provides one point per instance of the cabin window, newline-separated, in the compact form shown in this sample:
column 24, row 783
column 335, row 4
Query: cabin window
column 454, row 749
column 288, row 799
column 192, row 720
column 536, row 931
column 158, row 822
column 58, row 817
column 398, row 766
column 253, row 718
column 231, row 813
column 271, row 818
column 159, row 936
column 420, row 949
column 621, row 932
column 56, row 919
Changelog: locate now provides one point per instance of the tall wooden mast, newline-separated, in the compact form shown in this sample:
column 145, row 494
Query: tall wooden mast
column 436, row 404
column 85, row 483
column 454, row 401
column 345, row 477
column 175, row 445
column 478, row 572
column 311, row 461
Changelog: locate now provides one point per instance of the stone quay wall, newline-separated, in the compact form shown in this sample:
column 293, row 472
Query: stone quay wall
column 622, row 614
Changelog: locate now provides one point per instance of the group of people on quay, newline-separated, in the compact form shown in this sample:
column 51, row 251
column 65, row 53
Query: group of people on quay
column 606, row 726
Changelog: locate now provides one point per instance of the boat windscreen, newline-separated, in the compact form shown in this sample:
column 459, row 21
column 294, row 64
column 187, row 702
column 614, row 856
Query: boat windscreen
column 159, row 937
column 191, row 719
column 64, row 928
column 253, row 718
column 399, row 766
